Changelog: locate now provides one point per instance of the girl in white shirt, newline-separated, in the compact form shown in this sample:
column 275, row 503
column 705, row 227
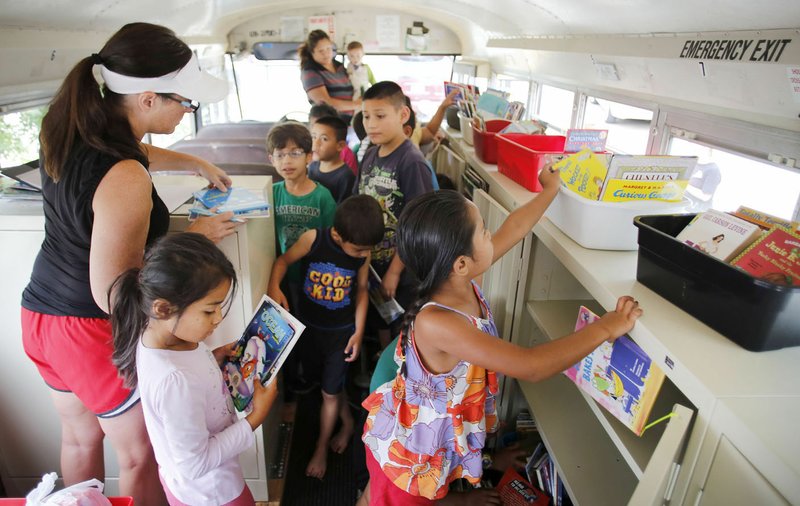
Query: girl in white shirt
column 162, row 314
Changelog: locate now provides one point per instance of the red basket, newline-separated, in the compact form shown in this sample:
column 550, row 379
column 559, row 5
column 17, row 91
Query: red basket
column 520, row 156
column 485, row 142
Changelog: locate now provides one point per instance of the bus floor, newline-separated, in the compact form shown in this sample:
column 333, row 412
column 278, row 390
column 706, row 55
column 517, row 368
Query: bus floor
column 346, row 473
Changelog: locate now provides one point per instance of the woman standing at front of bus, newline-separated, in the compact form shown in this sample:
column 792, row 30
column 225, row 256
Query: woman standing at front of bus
column 325, row 79
column 101, row 210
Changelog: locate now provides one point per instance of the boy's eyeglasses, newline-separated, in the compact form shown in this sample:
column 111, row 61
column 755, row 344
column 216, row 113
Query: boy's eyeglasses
column 189, row 104
column 295, row 153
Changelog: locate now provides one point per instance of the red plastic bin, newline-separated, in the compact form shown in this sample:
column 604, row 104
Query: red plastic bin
column 520, row 156
column 115, row 501
column 485, row 142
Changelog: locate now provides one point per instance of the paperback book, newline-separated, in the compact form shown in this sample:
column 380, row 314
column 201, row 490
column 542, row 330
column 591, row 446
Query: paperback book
column 514, row 490
column 584, row 173
column 625, row 190
column 643, row 177
column 719, row 234
column 389, row 309
column 578, row 139
column 620, row 376
column 266, row 342
column 775, row 257
column 764, row 220
column 241, row 201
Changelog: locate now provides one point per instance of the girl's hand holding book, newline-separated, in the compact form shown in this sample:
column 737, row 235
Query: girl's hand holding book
column 620, row 321
column 263, row 397
column 549, row 177
column 225, row 352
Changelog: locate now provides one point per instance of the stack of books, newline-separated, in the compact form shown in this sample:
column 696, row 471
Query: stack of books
column 241, row 201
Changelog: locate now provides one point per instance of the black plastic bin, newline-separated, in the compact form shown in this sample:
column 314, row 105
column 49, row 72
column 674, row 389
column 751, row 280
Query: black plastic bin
column 751, row 312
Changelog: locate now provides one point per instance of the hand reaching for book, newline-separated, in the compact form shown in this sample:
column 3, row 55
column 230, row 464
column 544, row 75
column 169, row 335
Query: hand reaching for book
column 549, row 177
column 263, row 398
column 622, row 319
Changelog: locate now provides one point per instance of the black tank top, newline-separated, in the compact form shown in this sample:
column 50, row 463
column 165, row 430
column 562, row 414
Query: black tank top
column 60, row 280
column 329, row 285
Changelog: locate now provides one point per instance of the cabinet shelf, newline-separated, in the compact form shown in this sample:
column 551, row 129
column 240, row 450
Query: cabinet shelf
column 557, row 318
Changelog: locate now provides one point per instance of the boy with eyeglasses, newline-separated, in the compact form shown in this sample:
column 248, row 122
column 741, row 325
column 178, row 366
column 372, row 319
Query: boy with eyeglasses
column 299, row 204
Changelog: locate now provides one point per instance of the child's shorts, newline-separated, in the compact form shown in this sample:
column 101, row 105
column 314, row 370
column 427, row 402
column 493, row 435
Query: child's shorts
column 73, row 354
column 325, row 353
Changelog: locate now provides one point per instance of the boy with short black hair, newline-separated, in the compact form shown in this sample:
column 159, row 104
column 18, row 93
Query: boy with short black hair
column 394, row 172
column 299, row 204
column 335, row 266
column 324, row 110
column 329, row 139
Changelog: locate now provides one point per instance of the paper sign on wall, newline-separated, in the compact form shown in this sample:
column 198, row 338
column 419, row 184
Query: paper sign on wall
column 794, row 81
column 292, row 28
column 387, row 31
column 324, row 23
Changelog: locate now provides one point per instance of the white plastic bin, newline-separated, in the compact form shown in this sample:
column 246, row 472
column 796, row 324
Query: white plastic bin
column 609, row 225
column 466, row 128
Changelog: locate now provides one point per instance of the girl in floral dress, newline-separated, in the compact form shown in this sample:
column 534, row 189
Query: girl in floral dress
column 428, row 426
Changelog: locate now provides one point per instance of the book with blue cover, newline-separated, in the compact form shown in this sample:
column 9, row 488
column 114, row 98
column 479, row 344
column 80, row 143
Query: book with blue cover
column 260, row 352
column 241, row 201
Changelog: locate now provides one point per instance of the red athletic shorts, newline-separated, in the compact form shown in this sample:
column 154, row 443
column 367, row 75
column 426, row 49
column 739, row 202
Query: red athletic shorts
column 74, row 355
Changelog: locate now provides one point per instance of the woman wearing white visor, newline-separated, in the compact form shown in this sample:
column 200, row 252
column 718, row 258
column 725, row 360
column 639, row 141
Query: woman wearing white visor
column 101, row 210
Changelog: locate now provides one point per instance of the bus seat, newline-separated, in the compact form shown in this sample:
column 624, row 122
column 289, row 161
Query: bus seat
column 250, row 169
column 249, row 130
column 224, row 151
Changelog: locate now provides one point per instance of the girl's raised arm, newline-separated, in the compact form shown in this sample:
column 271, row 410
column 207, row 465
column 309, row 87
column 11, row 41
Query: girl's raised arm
column 522, row 220
column 441, row 333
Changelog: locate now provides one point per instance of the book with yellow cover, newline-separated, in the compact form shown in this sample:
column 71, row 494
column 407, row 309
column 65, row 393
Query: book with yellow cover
column 584, row 173
column 623, row 190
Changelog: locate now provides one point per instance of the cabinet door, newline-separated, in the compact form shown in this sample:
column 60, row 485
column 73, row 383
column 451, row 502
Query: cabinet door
column 451, row 165
column 501, row 282
column 733, row 481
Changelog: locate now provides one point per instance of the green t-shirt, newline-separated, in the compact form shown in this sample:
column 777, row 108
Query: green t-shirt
column 294, row 215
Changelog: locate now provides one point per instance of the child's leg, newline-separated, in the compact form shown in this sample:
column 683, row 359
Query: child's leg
column 342, row 438
column 327, row 419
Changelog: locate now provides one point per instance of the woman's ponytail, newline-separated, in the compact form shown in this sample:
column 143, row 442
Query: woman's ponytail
column 128, row 321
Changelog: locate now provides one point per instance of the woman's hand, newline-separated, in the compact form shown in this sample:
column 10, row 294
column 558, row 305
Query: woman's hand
column 215, row 227
column 216, row 176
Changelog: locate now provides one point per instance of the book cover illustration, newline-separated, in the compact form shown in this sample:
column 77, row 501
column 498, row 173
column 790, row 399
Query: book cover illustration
column 578, row 139
column 719, row 234
column 389, row 309
column 514, row 490
column 266, row 342
column 241, row 201
column 775, row 257
column 584, row 173
column 620, row 376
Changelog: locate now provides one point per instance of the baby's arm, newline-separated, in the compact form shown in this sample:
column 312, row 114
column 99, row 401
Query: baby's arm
column 522, row 220
column 282, row 263
column 362, row 301
column 442, row 331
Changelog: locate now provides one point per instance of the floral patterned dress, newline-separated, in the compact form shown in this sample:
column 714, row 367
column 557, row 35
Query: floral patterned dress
column 426, row 430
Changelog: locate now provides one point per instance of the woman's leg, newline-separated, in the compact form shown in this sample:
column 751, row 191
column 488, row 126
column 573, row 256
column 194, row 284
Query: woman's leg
column 138, row 471
column 81, row 440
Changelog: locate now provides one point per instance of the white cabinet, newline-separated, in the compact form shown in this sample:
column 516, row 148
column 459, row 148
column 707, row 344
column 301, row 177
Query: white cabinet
column 29, row 426
column 733, row 438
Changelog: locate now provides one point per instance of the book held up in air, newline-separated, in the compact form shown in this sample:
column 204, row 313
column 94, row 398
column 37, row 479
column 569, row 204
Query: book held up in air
column 243, row 202
column 719, row 234
column 266, row 342
column 620, row 376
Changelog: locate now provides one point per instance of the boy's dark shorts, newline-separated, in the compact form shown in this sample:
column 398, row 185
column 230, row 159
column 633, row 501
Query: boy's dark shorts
column 325, row 356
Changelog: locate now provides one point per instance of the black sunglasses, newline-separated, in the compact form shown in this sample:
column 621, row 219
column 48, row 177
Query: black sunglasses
column 189, row 104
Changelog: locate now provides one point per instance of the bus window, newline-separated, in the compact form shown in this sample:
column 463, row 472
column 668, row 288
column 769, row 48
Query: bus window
column 269, row 89
column 19, row 136
column 555, row 107
column 628, row 126
column 421, row 77
column 518, row 89
column 746, row 182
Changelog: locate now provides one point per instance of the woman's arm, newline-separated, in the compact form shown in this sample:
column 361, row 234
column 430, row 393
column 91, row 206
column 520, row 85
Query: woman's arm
column 522, row 220
column 165, row 159
column 320, row 94
column 122, row 204
column 443, row 337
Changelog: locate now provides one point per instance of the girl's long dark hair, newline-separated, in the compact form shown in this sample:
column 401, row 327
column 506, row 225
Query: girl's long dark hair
column 80, row 110
column 433, row 231
column 179, row 268
column 306, row 48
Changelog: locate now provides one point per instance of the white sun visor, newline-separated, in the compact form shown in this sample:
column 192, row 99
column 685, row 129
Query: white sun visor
column 190, row 82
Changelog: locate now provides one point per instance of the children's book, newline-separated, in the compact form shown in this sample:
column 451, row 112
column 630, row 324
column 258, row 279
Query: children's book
column 389, row 309
column 514, row 490
column 775, row 257
column 764, row 220
column 624, row 190
column 719, row 234
column 578, row 139
column 643, row 177
column 584, row 173
column 260, row 352
column 620, row 376
column 533, row 461
column 241, row 201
